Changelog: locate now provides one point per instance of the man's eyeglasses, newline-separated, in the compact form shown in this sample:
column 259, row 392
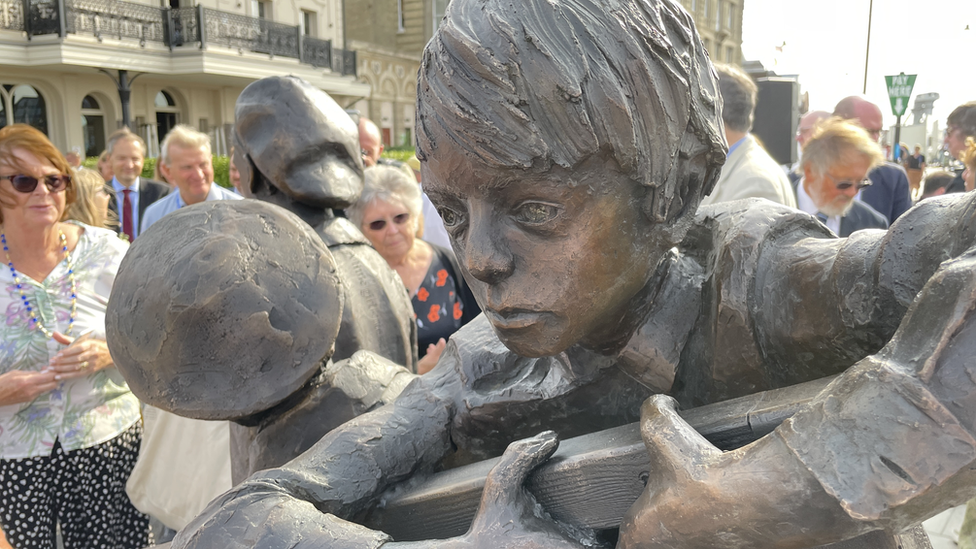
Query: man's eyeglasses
column 380, row 224
column 847, row 184
column 27, row 184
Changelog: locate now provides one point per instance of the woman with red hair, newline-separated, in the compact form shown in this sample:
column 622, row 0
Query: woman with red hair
column 69, row 426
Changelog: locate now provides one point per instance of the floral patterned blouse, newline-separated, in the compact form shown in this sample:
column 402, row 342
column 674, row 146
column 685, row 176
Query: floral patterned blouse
column 81, row 412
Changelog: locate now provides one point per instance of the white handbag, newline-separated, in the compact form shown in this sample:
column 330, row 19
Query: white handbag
column 183, row 464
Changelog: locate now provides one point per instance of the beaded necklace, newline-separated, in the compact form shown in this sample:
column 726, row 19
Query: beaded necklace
column 33, row 320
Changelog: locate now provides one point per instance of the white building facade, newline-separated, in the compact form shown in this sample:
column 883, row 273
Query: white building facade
column 61, row 63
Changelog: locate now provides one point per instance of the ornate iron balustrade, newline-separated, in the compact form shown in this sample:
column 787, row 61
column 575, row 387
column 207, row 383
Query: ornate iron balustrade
column 12, row 15
column 250, row 33
column 183, row 26
column 172, row 27
column 316, row 52
column 344, row 61
column 115, row 18
column 348, row 63
column 44, row 18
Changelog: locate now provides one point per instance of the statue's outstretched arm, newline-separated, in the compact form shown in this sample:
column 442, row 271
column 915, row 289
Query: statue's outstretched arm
column 886, row 445
column 305, row 502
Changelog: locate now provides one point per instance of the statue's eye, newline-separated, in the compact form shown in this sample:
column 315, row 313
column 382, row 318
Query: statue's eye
column 536, row 213
column 450, row 217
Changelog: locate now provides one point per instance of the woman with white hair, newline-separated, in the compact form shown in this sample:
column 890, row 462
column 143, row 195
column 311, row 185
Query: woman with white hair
column 388, row 212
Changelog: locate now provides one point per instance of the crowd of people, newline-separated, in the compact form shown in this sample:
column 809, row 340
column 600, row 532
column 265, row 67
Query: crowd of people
column 842, row 177
column 70, row 429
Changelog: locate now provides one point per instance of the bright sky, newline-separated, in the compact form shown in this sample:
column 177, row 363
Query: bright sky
column 825, row 45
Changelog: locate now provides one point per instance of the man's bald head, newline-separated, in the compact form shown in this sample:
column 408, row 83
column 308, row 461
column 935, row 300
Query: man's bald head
column 865, row 112
column 807, row 124
column 370, row 141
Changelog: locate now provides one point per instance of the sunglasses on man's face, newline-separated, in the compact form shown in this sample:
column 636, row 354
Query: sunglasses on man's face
column 847, row 184
column 27, row 184
column 380, row 224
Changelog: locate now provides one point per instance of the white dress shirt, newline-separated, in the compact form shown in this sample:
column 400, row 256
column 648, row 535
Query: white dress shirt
column 173, row 201
column 805, row 203
column 133, row 201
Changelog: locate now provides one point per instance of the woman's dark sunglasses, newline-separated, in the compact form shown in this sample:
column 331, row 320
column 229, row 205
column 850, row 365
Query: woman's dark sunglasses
column 380, row 224
column 27, row 184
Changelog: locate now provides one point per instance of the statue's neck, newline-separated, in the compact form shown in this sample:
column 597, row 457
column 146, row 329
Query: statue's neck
column 653, row 350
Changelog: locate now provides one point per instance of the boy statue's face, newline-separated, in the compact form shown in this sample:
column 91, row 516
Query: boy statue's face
column 555, row 257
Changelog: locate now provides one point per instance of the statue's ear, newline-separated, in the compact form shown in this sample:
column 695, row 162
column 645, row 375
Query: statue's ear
column 671, row 214
column 251, row 179
column 252, row 172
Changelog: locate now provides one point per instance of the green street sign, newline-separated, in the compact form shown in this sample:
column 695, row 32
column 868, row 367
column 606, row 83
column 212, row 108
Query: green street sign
column 899, row 91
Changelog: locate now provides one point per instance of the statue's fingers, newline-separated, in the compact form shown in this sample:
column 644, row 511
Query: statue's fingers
column 672, row 444
column 504, row 482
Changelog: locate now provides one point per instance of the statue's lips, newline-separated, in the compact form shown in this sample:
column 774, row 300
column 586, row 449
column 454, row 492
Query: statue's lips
column 514, row 319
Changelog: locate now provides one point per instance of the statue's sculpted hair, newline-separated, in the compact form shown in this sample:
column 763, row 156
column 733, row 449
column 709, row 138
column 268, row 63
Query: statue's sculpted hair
column 543, row 82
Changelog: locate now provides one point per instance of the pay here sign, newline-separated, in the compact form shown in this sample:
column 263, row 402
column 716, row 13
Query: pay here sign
column 899, row 91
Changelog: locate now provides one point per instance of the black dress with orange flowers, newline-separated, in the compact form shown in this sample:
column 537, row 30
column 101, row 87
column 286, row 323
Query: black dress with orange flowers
column 443, row 303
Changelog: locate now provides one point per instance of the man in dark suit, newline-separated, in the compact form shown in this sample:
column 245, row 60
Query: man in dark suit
column 835, row 166
column 889, row 193
column 126, row 153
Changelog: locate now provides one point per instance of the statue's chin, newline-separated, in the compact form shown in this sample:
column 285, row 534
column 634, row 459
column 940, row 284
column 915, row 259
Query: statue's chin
column 532, row 342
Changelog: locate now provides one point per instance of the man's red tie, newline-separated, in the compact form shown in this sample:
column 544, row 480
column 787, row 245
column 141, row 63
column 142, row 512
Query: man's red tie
column 127, row 215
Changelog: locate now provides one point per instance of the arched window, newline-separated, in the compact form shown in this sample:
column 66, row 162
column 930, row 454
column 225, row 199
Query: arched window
column 22, row 104
column 164, row 100
column 167, row 114
column 92, row 126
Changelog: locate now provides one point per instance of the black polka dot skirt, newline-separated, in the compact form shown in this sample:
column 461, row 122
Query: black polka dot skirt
column 82, row 490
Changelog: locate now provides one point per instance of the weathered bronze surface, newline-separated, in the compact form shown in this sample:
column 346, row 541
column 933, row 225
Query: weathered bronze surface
column 298, row 149
column 236, row 311
column 223, row 312
column 567, row 146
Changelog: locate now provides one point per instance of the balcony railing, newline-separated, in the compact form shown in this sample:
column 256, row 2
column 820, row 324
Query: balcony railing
column 173, row 28
column 11, row 15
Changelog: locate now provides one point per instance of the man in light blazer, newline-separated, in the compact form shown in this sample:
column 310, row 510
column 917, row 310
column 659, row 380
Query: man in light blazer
column 749, row 171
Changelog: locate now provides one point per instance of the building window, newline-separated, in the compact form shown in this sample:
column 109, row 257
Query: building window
column 261, row 10
column 167, row 114
column 310, row 24
column 718, row 15
column 730, row 13
column 22, row 104
column 729, row 54
column 694, row 7
column 705, row 5
column 401, row 23
column 440, row 7
column 92, row 126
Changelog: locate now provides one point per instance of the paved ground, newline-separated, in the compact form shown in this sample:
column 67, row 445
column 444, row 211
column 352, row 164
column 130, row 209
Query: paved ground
column 943, row 529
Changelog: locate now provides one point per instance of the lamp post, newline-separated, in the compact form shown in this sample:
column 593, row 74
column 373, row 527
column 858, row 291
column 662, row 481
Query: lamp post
column 867, row 49
column 123, row 83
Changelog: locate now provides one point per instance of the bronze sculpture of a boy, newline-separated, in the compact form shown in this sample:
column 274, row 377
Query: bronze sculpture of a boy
column 567, row 145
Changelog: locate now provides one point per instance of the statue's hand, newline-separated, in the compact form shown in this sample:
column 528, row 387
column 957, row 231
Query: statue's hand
column 509, row 516
column 698, row 496
column 676, row 503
